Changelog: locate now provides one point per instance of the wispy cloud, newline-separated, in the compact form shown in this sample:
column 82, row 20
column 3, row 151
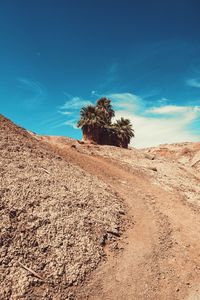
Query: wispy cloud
column 172, row 109
column 75, row 103
column 50, row 119
column 33, row 92
column 194, row 82
column 162, row 101
column 72, row 123
column 71, row 108
column 66, row 113
column 125, row 101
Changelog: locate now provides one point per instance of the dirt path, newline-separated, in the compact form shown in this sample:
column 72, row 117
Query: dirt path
column 161, row 256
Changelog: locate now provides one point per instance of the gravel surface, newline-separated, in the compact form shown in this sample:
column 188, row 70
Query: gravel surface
column 53, row 216
column 174, row 167
column 160, row 186
column 65, row 203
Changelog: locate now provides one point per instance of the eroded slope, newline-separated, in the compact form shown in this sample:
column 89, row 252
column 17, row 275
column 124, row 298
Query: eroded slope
column 52, row 217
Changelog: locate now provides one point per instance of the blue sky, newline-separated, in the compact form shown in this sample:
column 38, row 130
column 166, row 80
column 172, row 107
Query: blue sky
column 57, row 56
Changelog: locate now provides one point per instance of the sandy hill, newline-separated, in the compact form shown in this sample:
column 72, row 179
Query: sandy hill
column 53, row 215
column 66, row 206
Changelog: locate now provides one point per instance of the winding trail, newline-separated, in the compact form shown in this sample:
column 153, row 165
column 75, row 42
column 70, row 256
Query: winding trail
column 161, row 254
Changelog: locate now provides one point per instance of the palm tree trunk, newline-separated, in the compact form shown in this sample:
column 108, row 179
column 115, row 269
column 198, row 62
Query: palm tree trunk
column 91, row 134
column 124, row 144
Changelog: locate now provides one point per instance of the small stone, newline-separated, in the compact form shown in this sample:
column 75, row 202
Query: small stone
column 153, row 169
column 103, row 239
column 149, row 156
column 114, row 231
column 115, row 246
column 188, row 284
column 12, row 214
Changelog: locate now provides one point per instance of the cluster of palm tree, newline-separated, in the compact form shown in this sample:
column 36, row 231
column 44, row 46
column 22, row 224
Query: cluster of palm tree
column 96, row 124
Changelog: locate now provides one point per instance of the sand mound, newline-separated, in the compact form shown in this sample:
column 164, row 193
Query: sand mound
column 52, row 218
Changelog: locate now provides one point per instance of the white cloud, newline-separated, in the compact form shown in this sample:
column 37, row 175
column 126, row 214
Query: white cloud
column 75, row 103
column 170, row 127
column 158, row 124
column 163, row 101
column 71, row 109
column 154, row 131
column 172, row 109
column 195, row 82
column 72, row 123
column 66, row 113
column 125, row 101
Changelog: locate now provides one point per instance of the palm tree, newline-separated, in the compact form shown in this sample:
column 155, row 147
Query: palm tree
column 96, row 124
column 123, row 132
column 90, row 123
column 106, row 112
column 105, row 109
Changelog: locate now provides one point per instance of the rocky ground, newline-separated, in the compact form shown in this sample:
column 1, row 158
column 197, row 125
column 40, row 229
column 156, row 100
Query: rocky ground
column 174, row 167
column 82, row 221
column 159, row 252
column 54, row 217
